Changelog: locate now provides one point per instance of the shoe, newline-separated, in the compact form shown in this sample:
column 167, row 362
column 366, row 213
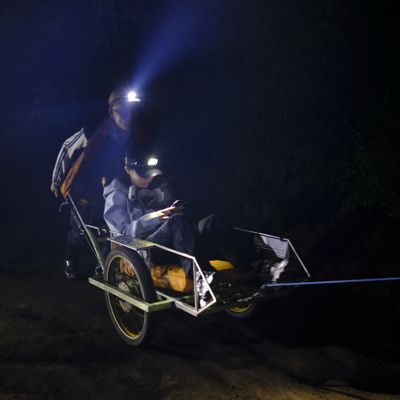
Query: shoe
column 98, row 272
column 262, row 269
column 70, row 270
column 202, row 289
column 271, row 270
column 277, row 270
column 217, row 282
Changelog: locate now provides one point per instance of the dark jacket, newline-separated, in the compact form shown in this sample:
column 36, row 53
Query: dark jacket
column 90, row 159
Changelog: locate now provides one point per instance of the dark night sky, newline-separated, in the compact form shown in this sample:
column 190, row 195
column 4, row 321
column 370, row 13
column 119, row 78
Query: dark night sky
column 265, row 104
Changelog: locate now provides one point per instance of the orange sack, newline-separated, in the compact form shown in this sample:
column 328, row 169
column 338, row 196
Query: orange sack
column 171, row 277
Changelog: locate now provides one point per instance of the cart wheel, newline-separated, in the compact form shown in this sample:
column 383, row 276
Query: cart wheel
column 243, row 311
column 127, row 271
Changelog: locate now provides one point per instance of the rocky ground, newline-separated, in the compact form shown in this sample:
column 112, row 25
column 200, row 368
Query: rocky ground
column 57, row 342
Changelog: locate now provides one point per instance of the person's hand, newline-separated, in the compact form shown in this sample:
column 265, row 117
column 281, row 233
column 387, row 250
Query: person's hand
column 54, row 189
column 165, row 213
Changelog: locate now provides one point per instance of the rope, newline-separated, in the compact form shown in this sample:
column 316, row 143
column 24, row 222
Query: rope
column 332, row 282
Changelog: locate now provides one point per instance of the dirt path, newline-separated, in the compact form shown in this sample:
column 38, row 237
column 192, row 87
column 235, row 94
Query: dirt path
column 57, row 343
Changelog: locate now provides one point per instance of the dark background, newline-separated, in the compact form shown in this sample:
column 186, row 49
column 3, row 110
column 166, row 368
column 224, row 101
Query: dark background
column 280, row 115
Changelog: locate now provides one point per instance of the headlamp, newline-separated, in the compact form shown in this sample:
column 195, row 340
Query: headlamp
column 132, row 96
column 124, row 95
column 145, row 166
column 141, row 162
column 151, row 162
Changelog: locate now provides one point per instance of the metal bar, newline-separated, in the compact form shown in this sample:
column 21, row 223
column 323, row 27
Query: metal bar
column 88, row 234
column 308, row 283
column 279, row 238
column 141, row 304
column 209, row 289
column 195, row 288
column 298, row 258
column 98, row 229
column 172, row 298
column 137, row 244
column 196, row 309
column 260, row 233
column 131, row 243
column 187, row 308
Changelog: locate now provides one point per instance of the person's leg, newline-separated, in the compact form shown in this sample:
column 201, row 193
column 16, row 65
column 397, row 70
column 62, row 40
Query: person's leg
column 232, row 245
column 72, row 250
column 94, row 217
column 177, row 233
column 76, row 241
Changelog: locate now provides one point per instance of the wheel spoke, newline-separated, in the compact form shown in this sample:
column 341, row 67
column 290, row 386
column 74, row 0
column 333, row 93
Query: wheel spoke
column 126, row 271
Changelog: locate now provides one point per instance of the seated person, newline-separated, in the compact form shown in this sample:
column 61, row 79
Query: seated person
column 138, row 204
